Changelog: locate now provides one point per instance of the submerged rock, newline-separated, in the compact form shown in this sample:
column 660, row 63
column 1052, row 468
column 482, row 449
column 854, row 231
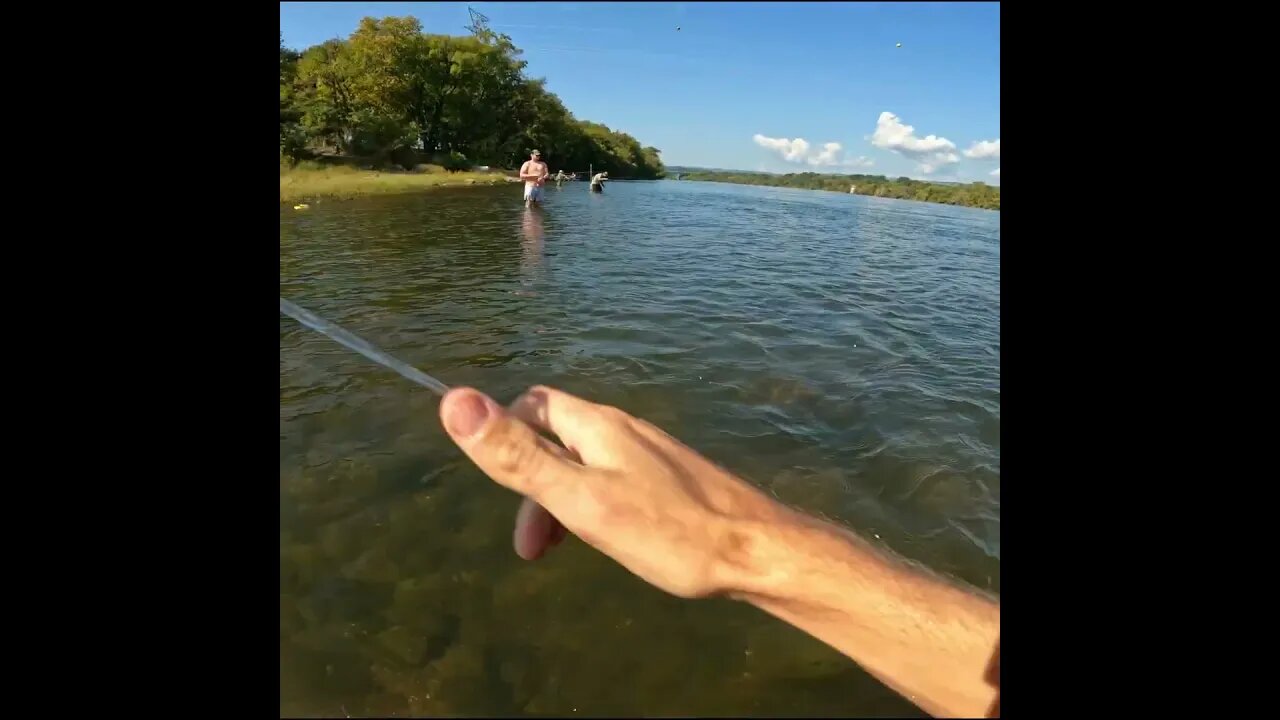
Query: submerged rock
column 405, row 643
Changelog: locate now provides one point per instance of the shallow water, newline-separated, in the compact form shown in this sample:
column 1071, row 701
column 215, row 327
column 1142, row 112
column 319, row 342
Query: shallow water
column 841, row 351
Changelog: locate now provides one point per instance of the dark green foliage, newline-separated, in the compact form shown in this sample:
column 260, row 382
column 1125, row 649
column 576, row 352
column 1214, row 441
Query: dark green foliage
column 391, row 93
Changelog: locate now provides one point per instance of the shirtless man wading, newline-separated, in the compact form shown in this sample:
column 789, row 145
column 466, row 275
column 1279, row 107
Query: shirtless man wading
column 534, row 173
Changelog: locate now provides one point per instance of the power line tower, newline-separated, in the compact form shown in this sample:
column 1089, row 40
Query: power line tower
column 479, row 22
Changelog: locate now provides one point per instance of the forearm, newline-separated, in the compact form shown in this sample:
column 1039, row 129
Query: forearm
column 924, row 637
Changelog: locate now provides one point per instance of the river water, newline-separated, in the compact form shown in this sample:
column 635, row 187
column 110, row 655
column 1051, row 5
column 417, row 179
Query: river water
column 841, row 351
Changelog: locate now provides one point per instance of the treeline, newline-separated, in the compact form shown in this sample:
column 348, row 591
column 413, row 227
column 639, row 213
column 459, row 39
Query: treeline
column 395, row 95
column 977, row 194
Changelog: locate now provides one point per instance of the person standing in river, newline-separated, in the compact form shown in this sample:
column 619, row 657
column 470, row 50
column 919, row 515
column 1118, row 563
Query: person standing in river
column 534, row 173
column 597, row 181
column 692, row 529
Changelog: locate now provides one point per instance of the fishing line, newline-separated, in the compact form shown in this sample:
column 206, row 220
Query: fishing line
column 337, row 334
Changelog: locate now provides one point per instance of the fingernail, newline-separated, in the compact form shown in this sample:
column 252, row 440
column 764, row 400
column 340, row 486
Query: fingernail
column 467, row 414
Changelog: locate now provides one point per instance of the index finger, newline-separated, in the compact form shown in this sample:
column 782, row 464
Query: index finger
column 576, row 422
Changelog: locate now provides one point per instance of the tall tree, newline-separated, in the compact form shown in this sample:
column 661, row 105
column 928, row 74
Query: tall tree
column 390, row 87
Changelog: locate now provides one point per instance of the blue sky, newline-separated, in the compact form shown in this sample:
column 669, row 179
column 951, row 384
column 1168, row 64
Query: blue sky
column 741, row 84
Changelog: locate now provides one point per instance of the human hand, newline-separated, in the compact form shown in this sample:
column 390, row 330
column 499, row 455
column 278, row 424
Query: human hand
column 691, row 528
column 619, row 483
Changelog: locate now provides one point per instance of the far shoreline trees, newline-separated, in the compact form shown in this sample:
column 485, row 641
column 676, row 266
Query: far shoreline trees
column 976, row 194
column 394, row 95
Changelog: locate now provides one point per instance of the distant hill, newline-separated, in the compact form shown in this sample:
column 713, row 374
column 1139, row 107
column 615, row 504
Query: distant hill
column 730, row 171
column 691, row 168
column 975, row 194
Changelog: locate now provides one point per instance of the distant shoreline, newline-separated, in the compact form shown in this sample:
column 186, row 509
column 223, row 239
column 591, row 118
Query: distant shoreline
column 978, row 195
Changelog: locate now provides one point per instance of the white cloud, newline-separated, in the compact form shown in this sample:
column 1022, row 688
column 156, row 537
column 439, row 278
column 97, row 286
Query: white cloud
column 931, row 152
column 791, row 150
column 996, row 172
column 828, row 156
column 984, row 150
column 799, row 151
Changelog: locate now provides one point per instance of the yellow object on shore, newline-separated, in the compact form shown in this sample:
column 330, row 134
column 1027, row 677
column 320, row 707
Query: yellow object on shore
column 303, row 206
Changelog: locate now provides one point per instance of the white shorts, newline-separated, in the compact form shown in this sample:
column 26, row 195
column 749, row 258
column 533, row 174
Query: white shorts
column 533, row 192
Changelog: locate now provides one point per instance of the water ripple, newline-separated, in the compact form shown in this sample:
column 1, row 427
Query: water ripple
column 842, row 352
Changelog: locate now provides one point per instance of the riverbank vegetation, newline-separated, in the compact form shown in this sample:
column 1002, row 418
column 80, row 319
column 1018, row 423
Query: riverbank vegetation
column 309, row 180
column 392, row 96
column 977, row 194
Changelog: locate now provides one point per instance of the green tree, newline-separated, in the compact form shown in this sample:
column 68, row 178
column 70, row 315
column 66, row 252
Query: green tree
column 390, row 88
column 325, row 94
column 292, row 140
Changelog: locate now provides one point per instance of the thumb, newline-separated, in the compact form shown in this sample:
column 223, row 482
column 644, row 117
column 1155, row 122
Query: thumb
column 505, row 448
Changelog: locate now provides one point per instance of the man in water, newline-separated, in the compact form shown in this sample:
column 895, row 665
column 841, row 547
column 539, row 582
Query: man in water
column 693, row 529
column 597, row 181
column 534, row 173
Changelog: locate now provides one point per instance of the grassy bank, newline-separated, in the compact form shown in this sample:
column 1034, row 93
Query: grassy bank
column 311, row 181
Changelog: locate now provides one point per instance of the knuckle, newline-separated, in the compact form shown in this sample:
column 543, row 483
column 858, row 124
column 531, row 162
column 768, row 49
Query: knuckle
column 526, row 397
column 539, row 392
